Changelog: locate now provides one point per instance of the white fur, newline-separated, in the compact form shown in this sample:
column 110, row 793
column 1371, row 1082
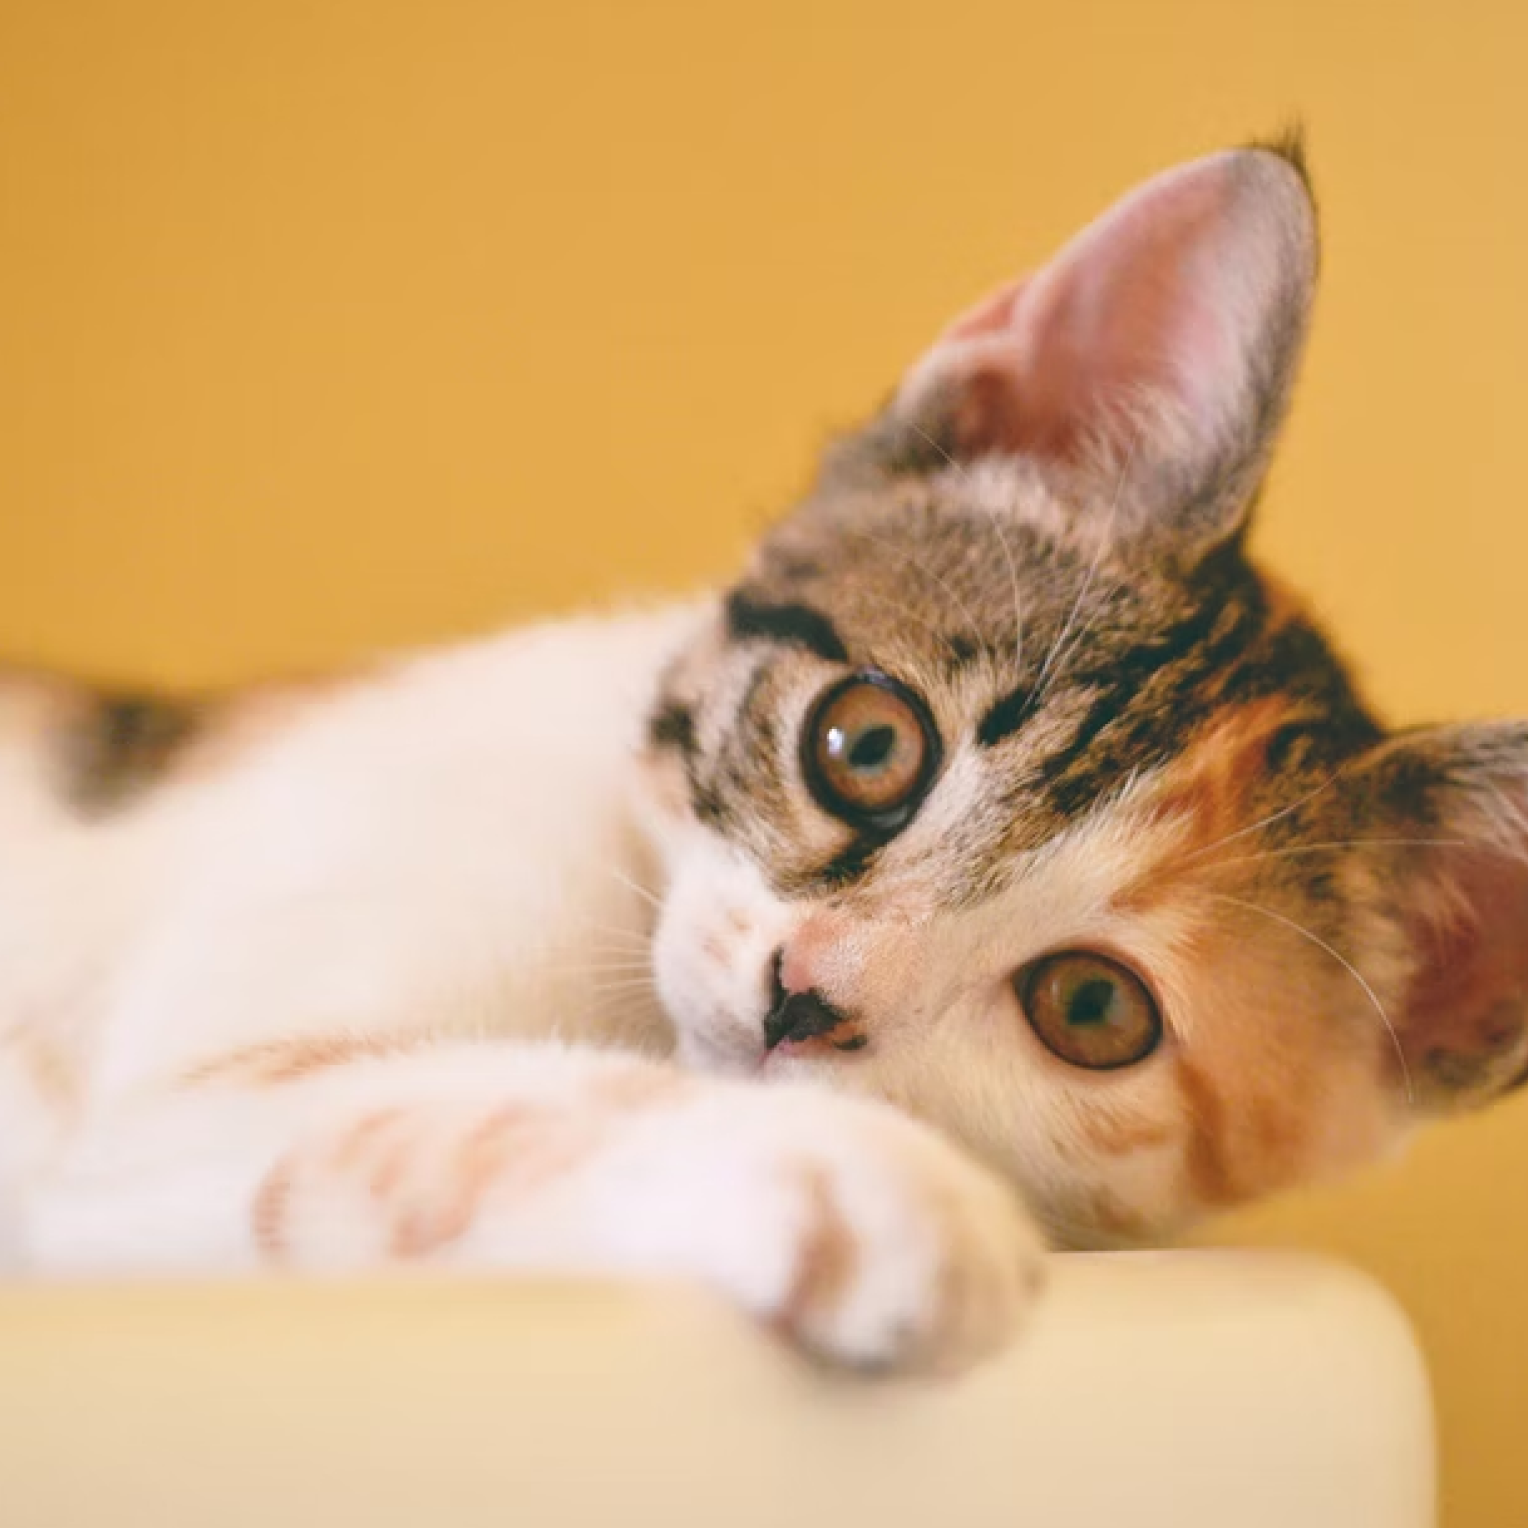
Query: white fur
column 454, row 848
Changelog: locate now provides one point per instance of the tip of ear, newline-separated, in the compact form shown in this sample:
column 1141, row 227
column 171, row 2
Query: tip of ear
column 1279, row 168
column 1290, row 145
column 1273, row 177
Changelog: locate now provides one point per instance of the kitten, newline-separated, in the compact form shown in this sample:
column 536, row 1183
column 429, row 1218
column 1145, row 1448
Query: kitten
column 1004, row 828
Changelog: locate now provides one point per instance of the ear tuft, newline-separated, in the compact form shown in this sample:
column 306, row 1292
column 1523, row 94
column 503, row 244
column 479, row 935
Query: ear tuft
column 1290, row 145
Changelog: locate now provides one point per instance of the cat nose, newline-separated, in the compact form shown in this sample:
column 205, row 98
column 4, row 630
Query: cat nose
column 802, row 1015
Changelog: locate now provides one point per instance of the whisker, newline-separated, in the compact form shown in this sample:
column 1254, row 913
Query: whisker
column 1002, row 541
column 1511, row 810
column 1341, row 843
column 610, row 939
column 571, row 949
column 917, row 567
column 598, row 968
column 631, row 885
column 902, row 611
column 1053, row 664
column 1261, row 823
column 1349, row 967
column 625, row 985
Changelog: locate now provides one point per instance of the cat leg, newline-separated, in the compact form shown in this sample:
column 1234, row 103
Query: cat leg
column 857, row 1231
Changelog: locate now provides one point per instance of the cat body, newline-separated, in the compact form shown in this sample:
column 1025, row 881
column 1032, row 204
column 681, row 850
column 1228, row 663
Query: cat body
column 433, row 983
column 1003, row 860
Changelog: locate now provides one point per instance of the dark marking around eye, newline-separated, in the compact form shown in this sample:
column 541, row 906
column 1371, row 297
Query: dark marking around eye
column 672, row 725
column 849, row 864
column 791, row 624
column 1004, row 719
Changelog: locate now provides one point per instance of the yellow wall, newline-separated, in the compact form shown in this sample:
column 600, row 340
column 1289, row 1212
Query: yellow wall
column 329, row 325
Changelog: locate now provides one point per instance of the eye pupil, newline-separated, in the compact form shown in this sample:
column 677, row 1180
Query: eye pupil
column 869, row 752
column 1089, row 1009
column 872, row 748
column 1091, row 1003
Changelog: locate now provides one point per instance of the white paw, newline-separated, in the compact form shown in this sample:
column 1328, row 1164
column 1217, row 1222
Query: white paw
column 858, row 1233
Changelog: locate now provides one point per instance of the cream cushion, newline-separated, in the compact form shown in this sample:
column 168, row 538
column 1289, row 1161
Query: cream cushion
column 1216, row 1389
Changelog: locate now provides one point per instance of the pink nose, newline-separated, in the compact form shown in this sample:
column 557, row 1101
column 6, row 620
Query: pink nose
column 803, row 1013
column 811, row 956
column 796, row 969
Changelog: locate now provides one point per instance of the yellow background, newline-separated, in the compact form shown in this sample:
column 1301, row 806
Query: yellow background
column 328, row 326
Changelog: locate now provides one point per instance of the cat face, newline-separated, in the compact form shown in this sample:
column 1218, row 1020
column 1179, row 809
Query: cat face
column 1006, row 787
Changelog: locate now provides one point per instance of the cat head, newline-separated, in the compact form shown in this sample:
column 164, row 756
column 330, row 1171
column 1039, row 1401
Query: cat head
column 1004, row 785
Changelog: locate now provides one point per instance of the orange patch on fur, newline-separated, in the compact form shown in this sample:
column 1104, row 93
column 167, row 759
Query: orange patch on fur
column 1248, row 1143
column 1209, row 795
column 352, row 1147
column 477, row 1162
column 269, row 1212
column 274, row 1062
column 1207, row 1156
column 828, row 1260
column 1118, row 1135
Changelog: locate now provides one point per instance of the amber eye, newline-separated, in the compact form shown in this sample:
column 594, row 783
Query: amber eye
column 869, row 751
column 1089, row 1010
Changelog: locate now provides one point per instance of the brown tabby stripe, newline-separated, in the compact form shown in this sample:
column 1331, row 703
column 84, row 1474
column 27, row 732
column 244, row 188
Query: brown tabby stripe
column 117, row 744
column 791, row 624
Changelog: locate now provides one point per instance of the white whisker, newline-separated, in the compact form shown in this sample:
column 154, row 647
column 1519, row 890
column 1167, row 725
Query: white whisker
column 1349, row 967
column 1002, row 541
column 1341, row 843
column 901, row 611
column 631, row 885
column 1053, row 662
column 610, row 937
column 1261, row 823
column 917, row 567
column 624, row 986
column 599, row 968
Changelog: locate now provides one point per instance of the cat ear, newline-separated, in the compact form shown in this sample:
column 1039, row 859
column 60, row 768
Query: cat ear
column 1452, row 802
column 1146, row 367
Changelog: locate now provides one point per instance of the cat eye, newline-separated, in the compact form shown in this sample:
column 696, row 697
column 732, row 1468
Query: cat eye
column 1089, row 1010
column 869, row 751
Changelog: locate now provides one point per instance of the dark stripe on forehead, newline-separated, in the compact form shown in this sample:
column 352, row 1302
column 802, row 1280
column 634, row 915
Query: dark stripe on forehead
column 1005, row 717
column 1142, row 702
column 790, row 625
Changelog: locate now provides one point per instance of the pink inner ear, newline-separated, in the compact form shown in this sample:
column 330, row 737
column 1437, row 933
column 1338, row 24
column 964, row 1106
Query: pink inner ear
column 1157, row 299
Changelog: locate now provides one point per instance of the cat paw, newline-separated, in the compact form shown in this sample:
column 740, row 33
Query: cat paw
column 867, row 1239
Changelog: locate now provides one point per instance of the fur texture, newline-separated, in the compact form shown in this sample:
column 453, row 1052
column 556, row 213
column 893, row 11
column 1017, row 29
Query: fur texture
column 484, row 957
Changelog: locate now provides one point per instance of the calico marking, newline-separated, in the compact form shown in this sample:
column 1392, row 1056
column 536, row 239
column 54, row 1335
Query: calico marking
column 117, row 744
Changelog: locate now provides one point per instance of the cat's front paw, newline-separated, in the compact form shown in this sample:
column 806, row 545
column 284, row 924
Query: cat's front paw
column 869, row 1240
